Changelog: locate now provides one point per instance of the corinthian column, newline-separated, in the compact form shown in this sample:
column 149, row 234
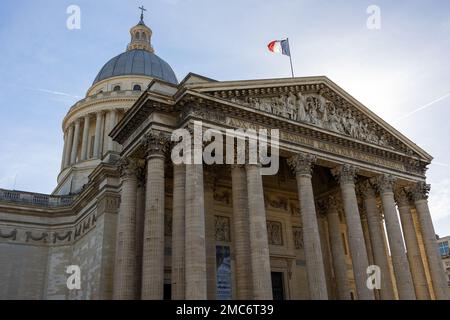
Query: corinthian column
column 76, row 138
column 140, row 219
column 63, row 160
column 241, row 230
column 346, row 175
column 69, row 146
column 125, row 277
column 337, row 250
column 374, row 221
column 302, row 166
column 196, row 283
column 259, row 243
column 112, row 123
column 98, row 135
column 210, row 233
column 85, row 141
column 153, row 255
column 438, row 276
column 412, row 246
column 178, row 232
column 400, row 263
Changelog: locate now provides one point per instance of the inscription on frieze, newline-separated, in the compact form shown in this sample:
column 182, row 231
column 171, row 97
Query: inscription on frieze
column 323, row 146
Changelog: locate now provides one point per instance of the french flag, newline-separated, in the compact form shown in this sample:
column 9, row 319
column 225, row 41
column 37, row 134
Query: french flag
column 280, row 46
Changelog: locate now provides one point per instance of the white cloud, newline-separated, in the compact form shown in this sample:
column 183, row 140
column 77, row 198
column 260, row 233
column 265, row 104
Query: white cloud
column 440, row 200
column 56, row 93
column 425, row 106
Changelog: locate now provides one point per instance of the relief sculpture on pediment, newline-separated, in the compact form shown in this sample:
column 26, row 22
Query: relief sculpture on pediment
column 316, row 110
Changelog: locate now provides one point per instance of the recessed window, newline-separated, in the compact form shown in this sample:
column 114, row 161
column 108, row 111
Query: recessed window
column 444, row 248
column 116, row 88
column 137, row 87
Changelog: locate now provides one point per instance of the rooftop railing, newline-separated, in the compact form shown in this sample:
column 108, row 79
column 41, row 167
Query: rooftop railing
column 36, row 199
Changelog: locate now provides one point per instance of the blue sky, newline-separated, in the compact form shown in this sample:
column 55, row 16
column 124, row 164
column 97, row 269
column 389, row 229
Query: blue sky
column 45, row 68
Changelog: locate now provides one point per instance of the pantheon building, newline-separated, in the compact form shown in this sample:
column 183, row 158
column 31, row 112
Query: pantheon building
column 345, row 216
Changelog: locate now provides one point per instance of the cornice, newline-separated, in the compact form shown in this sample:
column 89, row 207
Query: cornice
column 80, row 106
column 251, row 87
column 272, row 121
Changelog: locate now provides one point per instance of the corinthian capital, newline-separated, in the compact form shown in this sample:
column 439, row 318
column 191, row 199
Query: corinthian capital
column 420, row 191
column 345, row 173
column 302, row 163
column 366, row 189
column 402, row 197
column 156, row 142
column 385, row 183
column 332, row 203
column 128, row 168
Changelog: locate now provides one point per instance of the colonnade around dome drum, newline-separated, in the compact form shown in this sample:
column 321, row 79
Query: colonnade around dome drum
column 86, row 137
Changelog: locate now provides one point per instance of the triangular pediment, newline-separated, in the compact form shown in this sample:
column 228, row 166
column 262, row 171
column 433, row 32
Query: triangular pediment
column 317, row 102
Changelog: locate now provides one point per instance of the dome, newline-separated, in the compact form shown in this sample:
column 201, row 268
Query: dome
column 137, row 62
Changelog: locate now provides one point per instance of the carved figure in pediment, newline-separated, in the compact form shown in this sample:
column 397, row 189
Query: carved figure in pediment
column 383, row 140
column 334, row 123
column 276, row 110
column 282, row 104
column 265, row 106
column 363, row 130
column 317, row 110
column 322, row 112
column 372, row 137
column 291, row 106
column 347, row 122
column 301, row 107
column 312, row 104
column 353, row 125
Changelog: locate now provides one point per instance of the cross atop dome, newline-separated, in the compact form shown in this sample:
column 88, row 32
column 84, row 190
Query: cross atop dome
column 142, row 13
column 141, row 35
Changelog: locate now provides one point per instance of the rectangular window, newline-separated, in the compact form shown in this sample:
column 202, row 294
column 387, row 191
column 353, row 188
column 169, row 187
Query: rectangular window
column 443, row 248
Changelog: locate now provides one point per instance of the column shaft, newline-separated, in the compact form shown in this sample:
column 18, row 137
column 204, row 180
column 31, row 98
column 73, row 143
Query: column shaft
column 346, row 175
column 112, row 124
column 140, row 220
column 259, row 243
column 69, row 147
column 241, row 230
column 338, row 252
column 378, row 242
column 195, row 255
column 302, row 165
column 125, row 279
column 438, row 275
column 98, row 134
column 85, row 141
column 210, row 235
column 76, row 138
column 400, row 263
column 153, row 255
column 63, row 158
column 178, row 232
column 412, row 247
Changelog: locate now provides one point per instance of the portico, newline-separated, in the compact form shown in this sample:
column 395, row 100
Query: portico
column 267, row 226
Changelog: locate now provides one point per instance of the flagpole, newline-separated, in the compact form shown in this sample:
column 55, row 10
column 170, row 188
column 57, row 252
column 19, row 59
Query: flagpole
column 290, row 57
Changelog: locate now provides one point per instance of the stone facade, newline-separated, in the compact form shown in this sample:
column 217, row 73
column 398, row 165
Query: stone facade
column 141, row 227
